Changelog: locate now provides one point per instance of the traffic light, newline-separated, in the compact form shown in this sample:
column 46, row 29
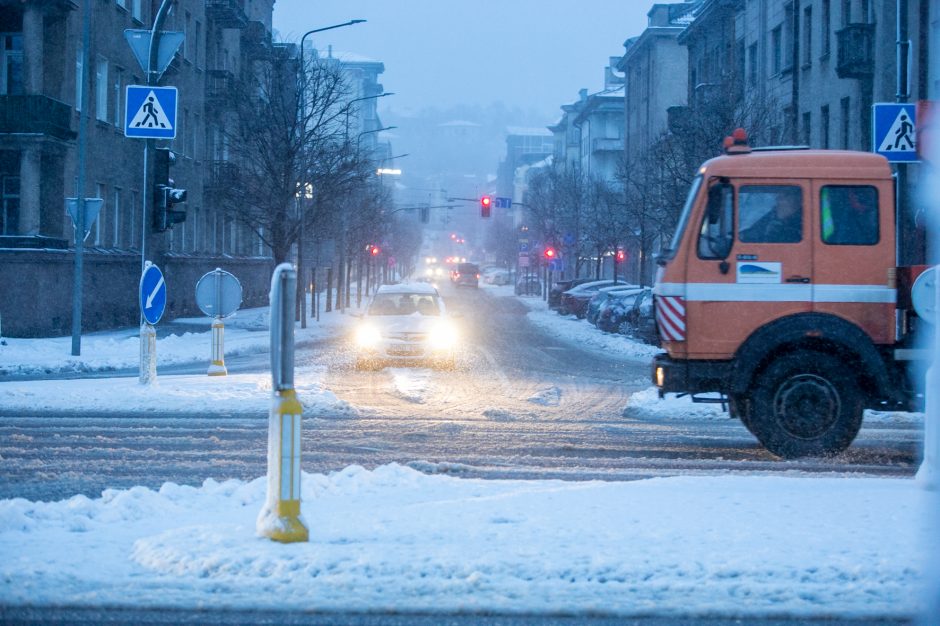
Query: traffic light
column 165, row 196
column 485, row 204
column 550, row 253
column 425, row 214
column 374, row 251
column 620, row 256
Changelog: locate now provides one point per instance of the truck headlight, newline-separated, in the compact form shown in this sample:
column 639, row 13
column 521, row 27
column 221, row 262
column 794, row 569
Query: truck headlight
column 660, row 376
column 367, row 336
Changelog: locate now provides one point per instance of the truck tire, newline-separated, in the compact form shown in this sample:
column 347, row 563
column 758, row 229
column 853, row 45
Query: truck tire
column 805, row 403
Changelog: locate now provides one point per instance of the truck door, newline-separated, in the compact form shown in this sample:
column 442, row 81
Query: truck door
column 762, row 271
column 854, row 251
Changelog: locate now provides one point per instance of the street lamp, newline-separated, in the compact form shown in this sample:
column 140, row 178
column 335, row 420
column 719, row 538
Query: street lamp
column 350, row 103
column 369, row 132
column 302, row 283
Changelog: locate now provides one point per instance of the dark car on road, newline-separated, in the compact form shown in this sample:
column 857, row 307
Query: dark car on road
column 467, row 275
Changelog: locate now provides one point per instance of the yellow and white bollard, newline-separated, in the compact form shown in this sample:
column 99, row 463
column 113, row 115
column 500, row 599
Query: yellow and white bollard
column 280, row 517
column 217, row 366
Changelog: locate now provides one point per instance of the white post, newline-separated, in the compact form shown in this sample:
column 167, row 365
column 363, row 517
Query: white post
column 148, row 354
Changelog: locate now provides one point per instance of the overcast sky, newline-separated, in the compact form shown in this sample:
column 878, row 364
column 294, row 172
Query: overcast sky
column 535, row 54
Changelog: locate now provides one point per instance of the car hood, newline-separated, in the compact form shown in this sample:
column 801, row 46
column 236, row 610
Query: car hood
column 414, row 323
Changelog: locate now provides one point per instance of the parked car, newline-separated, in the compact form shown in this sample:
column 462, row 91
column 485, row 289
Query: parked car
column 618, row 310
column 561, row 286
column 406, row 324
column 496, row 276
column 467, row 275
column 574, row 301
column 529, row 286
column 632, row 316
column 603, row 297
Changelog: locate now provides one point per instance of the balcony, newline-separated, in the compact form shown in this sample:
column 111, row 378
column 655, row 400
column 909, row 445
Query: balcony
column 604, row 144
column 220, row 177
column 227, row 13
column 855, row 51
column 220, row 90
column 256, row 41
column 36, row 115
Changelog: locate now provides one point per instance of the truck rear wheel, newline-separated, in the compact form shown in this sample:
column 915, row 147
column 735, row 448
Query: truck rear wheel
column 806, row 404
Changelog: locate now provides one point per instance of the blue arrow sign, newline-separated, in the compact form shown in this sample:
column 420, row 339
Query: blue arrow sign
column 150, row 112
column 893, row 132
column 152, row 294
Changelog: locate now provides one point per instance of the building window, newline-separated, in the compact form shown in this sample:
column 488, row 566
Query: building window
column 806, row 133
column 101, row 89
column 135, row 9
column 845, row 122
column 197, row 133
column 116, row 219
column 187, row 46
column 826, row 27
column 78, row 80
column 122, row 3
column 864, row 11
column 752, row 65
column 790, row 36
column 776, row 50
column 807, row 36
column 11, row 64
column 98, row 233
column 116, row 88
column 824, row 127
column 846, row 12
column 197, row 42
column 10, row 205
column 132, row 234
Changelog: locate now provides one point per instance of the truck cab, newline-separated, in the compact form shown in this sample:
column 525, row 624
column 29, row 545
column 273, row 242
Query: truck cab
column 780, row 291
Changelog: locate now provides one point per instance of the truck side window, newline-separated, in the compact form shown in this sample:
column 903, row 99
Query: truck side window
column 770, row 214
column 849, row 215
column 716, row 235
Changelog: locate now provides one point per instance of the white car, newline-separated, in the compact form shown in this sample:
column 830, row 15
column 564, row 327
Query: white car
column 406, row 324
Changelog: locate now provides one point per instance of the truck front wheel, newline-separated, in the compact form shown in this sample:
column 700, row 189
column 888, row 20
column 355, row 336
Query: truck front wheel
column 806, row 404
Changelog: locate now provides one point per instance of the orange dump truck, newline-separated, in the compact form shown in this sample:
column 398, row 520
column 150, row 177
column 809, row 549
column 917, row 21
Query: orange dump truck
column 780, row 290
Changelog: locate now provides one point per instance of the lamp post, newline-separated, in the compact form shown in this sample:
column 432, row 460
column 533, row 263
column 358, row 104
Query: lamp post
column 301, row 272
column 369, row 132
column 350, row 103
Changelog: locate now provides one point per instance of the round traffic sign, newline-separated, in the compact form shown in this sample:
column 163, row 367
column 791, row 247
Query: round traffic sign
column 923, row 295
column 152, row 294
column 218, row 293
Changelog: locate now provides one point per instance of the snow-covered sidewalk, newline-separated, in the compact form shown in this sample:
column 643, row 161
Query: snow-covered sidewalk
column 394, row 539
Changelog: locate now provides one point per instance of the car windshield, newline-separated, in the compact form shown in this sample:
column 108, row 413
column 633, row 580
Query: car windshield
column 404, row 304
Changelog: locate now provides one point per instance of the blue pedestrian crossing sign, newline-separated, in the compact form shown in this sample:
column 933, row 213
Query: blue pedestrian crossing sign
column 150, row 112
column 152, row 294
column 894, row 134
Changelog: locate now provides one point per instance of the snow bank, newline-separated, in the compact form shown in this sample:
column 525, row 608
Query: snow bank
column 394, row 539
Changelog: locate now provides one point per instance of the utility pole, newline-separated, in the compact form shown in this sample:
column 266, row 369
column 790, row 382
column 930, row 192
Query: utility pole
column 80, row 183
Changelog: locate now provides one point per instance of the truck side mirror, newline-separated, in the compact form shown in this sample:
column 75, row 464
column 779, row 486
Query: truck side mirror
column 716, row 238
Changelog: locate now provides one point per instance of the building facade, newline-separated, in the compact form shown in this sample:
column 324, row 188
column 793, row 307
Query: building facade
column 42, row 94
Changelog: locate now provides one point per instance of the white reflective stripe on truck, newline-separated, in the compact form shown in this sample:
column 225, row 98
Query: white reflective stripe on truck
column 743, row 292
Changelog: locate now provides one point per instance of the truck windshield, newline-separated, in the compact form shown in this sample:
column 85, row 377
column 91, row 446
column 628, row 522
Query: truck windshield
column 670, row 252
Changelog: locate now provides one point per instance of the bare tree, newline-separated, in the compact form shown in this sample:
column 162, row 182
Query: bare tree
column 288, row 143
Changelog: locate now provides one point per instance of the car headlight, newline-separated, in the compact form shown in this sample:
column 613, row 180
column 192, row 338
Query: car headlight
column 368, row 336
column 443, row 336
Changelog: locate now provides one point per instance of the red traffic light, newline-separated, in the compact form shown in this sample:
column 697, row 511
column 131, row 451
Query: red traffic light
column 620, row 256
column 549, row 253
column 485, row 201
column 374, row 251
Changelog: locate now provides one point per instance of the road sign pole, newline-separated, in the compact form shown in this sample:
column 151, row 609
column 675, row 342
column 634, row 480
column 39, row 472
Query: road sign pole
column 280, row 518
column 217, row 367
column 148, row 354
column 80, row 183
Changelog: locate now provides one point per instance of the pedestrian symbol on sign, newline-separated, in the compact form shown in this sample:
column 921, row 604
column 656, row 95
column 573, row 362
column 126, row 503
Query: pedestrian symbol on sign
column 150, row 115
column 894, row 132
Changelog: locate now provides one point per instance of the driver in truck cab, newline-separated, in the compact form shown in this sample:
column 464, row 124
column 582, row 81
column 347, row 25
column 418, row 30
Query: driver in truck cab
column 782, row 222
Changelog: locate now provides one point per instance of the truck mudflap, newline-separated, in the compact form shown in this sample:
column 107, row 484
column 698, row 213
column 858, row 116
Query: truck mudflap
column 673, row 376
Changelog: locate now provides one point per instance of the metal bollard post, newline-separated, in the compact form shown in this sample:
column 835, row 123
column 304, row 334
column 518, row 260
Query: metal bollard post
column 280, row 518
column 148, row 354
column 217, row 366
